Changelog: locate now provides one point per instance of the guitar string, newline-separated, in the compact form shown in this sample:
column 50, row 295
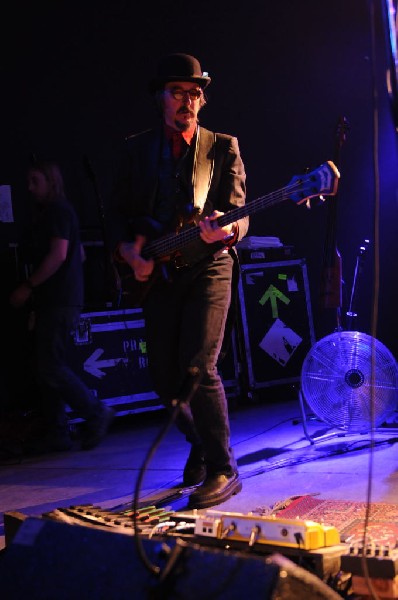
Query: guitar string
column 164, row 246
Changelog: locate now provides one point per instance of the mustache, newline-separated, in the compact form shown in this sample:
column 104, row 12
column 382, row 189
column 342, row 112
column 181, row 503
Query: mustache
column 184, row 110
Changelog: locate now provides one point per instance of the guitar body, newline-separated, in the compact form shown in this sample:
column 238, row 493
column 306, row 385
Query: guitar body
column 331, row 290
column 182, row 249
column 132, row 293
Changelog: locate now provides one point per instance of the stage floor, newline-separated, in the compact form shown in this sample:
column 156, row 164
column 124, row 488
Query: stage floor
column 276, row 461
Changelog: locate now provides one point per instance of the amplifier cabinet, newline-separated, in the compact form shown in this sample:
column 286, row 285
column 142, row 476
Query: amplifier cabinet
column 109, row 354
column 276, row 326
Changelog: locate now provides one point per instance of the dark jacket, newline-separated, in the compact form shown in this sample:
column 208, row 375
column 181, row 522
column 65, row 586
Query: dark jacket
column 218, row 177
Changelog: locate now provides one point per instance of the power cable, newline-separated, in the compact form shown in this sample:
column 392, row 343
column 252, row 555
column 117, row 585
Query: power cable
column 376, row 282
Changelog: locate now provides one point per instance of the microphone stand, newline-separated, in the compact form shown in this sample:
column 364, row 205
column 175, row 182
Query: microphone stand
column 351, row 313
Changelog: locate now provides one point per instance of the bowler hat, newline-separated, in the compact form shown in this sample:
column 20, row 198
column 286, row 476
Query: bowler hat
column 179, row 67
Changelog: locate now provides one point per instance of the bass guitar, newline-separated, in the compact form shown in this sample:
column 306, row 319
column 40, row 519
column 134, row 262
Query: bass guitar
column 331, row 278
column 186, row 248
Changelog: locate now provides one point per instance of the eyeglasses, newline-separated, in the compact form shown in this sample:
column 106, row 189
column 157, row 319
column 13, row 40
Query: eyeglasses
column 179, row 94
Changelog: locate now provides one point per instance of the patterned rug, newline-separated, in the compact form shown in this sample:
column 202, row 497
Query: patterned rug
column 347, row 517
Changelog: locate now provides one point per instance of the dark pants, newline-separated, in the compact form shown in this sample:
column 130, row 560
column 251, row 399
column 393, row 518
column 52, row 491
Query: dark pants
column 185, row 323
column 58, row 382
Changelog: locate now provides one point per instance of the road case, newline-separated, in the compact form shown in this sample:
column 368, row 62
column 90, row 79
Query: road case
column 276, row 321
column 109, row 354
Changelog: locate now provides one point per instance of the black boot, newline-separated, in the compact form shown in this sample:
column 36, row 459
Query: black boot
column 195, row 468
column 97, row 428
column 215, row 490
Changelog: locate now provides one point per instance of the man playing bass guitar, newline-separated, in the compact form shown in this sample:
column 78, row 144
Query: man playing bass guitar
column 177, row 176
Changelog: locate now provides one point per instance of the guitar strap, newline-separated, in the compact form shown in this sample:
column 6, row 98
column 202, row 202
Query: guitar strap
column 203, row 166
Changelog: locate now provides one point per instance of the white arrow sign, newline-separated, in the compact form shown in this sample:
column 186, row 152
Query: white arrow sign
column 93, row 366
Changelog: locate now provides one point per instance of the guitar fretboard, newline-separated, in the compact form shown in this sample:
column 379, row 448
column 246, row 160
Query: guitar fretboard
column 321, row 181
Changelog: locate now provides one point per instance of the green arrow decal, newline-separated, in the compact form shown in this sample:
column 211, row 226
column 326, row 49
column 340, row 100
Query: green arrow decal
column 273, row 295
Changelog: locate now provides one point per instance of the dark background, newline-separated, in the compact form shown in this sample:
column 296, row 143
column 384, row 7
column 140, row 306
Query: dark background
column 283, row 74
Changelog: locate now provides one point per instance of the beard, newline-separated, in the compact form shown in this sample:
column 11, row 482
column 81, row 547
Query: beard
column 184, row 124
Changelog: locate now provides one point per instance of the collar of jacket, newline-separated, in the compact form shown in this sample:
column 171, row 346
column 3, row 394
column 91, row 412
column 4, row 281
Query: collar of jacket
column 203, row 166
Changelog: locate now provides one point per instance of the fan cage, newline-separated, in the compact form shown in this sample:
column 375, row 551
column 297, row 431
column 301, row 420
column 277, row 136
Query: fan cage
column 344, row 375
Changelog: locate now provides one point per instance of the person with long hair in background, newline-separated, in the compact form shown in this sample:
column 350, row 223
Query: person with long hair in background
column 55, row 289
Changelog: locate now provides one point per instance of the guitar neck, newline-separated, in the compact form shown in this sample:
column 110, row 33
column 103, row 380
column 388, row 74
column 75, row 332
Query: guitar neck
column 301, row 188
column 169, row 244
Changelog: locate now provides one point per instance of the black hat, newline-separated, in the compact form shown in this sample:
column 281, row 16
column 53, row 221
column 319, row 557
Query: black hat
column 179, row 67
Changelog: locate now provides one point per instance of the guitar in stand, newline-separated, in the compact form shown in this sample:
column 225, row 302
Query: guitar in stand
column 331, row 278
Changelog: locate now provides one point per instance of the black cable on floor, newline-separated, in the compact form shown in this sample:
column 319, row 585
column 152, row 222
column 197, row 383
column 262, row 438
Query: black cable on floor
column 187, row 392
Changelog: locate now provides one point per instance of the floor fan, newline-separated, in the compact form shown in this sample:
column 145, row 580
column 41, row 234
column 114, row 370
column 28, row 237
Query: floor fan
column 349, row 379
column 344, row 376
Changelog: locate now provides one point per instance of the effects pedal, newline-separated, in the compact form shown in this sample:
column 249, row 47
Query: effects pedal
column 253, row 529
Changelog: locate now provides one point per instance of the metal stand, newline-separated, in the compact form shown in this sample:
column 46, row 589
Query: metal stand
column 319, row 438
column 339, row 433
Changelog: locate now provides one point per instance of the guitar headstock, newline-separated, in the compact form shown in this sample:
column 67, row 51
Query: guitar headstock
column 322, row 181
column 342, row 128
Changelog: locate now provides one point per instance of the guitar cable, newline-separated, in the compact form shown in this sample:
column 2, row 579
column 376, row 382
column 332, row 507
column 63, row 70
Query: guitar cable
column 188, row 390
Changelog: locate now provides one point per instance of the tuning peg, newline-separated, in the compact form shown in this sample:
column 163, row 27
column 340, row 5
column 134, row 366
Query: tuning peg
column 318, row 200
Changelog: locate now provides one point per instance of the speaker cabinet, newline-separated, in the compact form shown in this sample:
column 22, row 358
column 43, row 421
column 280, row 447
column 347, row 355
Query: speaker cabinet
column 50, row 560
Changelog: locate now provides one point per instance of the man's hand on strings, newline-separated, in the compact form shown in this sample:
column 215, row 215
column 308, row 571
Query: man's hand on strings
column 131, row 253
column 209, row 230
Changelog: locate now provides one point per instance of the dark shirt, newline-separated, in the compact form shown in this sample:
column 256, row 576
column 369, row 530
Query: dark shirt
column 65, row 288
column 174, row 204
